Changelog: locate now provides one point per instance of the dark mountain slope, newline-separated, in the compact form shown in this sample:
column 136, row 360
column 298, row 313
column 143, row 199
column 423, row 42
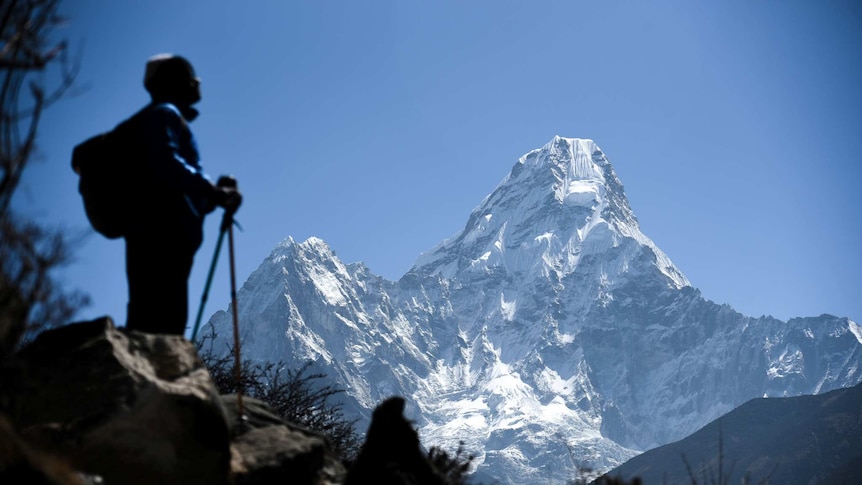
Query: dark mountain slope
column 794, row 440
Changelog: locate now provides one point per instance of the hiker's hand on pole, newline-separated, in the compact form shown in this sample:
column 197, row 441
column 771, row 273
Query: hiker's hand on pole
column 230, row 199
column 227, row 194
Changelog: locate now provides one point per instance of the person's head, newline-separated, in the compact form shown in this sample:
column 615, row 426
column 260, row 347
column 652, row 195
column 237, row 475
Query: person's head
column 172, row 78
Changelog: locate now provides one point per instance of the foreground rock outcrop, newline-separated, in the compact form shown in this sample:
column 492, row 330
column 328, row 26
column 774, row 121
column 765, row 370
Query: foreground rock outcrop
column 91, row 403
column 127, row 406
column 265, row 449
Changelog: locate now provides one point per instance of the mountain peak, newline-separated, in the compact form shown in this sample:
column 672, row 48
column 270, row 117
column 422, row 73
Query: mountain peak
column 573, row 154
column 316, row 244
column 577, row 151
column 578, row 165
column 311, row 247
column 558, row 204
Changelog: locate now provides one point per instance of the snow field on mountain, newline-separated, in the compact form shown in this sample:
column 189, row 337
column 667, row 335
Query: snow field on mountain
column 549, row 331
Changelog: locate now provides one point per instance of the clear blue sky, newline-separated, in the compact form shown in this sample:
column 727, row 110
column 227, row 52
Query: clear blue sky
column 378, row 125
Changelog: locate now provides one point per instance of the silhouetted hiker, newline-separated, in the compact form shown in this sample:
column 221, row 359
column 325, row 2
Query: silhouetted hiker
column 166, row 229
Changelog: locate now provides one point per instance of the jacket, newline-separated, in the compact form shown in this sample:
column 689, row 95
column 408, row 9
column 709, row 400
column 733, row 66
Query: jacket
column 176, row 192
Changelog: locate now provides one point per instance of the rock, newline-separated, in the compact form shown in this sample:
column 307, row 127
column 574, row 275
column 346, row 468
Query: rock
column 392, row 453
column 131, row 407
column 256, row 414
column 20, row 463
column 266, row 449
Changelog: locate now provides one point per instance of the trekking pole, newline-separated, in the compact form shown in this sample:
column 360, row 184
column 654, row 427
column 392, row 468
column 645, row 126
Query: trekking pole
column 238, row 362
column 209, row 279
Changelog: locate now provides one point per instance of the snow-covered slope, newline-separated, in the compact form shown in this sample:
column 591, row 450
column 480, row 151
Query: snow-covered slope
column 549, row 332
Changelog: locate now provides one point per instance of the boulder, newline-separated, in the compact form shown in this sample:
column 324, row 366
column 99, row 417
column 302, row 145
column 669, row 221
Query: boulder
column 392, row 453
column 131, row 407
column 266, row 449
column 21, row 463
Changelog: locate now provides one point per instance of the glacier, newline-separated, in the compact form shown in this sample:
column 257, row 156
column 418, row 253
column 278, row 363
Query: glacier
column 549, row 334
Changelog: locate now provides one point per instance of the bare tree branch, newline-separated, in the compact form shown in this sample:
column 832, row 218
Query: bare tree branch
column 30, row 298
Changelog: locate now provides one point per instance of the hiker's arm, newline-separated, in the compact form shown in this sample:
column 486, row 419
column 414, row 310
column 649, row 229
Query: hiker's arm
column 163, row 133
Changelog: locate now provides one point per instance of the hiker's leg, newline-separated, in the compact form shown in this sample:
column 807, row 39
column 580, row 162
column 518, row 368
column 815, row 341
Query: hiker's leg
column 157, row 269
column 176, row 292
column 140, row 276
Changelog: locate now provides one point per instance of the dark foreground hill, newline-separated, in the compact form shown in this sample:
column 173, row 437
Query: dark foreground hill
column 794, row 440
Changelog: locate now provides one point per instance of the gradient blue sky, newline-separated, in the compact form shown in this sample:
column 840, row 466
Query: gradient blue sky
column 377, row 126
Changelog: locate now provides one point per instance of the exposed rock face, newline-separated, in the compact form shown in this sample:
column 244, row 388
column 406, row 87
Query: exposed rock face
column 131, row 407
column 266, row 449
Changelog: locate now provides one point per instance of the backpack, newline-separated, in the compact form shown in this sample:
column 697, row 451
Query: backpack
column 105, row 164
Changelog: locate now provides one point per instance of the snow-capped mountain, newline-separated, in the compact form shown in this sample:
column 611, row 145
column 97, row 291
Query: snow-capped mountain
column 550, row 332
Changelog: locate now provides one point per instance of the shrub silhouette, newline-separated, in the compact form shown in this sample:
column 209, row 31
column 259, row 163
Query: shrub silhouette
column 297, row 396
column 455, row 467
